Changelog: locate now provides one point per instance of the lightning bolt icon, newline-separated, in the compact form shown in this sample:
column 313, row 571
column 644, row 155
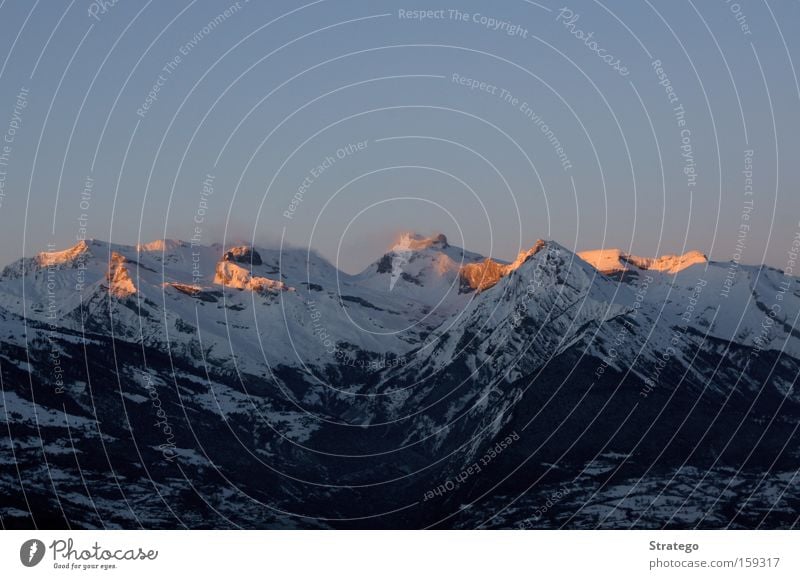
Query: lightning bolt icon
column 32, row 552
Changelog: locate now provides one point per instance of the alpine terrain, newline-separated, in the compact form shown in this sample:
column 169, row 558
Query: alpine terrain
column 169, row 385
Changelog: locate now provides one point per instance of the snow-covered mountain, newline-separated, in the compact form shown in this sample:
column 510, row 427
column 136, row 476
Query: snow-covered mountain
column 169, row 384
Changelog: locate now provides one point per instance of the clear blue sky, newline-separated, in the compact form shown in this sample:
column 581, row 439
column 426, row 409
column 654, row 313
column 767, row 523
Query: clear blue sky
column 262, row 95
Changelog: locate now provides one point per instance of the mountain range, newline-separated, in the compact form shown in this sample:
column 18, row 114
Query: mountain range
column 172, row 385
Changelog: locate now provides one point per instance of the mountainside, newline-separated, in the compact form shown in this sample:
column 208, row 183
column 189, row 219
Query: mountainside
column 169, row 385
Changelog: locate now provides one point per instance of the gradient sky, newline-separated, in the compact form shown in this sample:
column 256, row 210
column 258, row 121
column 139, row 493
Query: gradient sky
column 260, row 99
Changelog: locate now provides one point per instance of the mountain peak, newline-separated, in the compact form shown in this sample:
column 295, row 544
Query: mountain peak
column 54, row 258
column 230, row 274
column 245, row 254
column 160, row 246
column 410, row 241
column 484, row 275
column 615, row 260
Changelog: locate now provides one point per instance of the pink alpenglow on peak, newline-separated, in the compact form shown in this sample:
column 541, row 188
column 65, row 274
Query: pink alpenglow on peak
column 230, row 274
column 120, row 284
column 415, row 242
column 615, row 260
column 484, row 275
column 70, row 255
column 160, row 246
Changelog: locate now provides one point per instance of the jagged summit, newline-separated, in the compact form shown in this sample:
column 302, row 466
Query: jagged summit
column 424, row 267
column 64, row 256
column 481, row 276
column 243, row 254
column 410, row 241
column 610, row 261
column 231, row 275
column 161, row 246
